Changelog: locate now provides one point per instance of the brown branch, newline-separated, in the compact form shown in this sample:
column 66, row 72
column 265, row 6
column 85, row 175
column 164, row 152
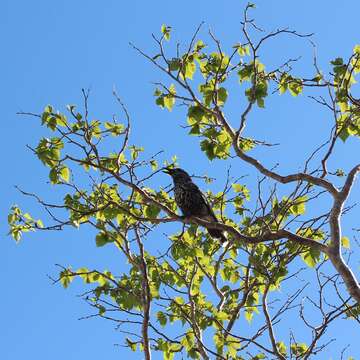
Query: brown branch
column 270, row 324
column 146, row 295
column 334, row 252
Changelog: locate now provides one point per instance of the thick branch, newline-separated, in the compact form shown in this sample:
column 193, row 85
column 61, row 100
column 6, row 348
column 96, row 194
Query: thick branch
column 335, row 255
column 268, row 236
column 263, row 170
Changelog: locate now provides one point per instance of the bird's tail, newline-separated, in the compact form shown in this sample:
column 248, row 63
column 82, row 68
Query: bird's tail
column 218, row 234
column 215, row 233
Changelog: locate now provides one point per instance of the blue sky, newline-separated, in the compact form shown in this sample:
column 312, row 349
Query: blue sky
column 50, row 50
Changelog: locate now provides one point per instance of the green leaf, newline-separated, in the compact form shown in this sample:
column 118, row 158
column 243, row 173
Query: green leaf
column 219, row 342
column 337, row 62
column 16, row 234
column 281, row 347
column 260, row 356
column 295, row 88
column 222, row 96
column 246, row 73
column 135, row 151
column 102, row 239
column 169, row 102
column 299, row 349
column 39, row 224
column 166, row 31
column 311, row 257
column 169, row 99
column 298, row 207
column 85, row 274
column 221, row 315
column 152, row 211
column 154, row 164
column 207, row 91
column 102, row 310
column 195, row 130
column 199, row 46
column 344, row 133
column 260, row 103
column 233, row 345
column 238, row 188
column 174, row 64
column 157, row 92
column 115, row 129
column 195, row 114
column 54, row 176
column 189, row 69
column 48, row 151
column 66, row 277
column 131, row 344
column 188, row 341
column 242, row 50
column 65, row 173
column 161, row 317
column 208, row 148
column 160, row 101
column 283, row 85
column 345, row 242
column 179, row 300
column 249, row 314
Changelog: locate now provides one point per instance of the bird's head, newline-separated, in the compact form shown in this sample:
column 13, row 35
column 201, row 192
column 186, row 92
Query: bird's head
column 177, row 174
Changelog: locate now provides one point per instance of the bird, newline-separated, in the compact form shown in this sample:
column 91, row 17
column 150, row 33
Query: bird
column 192, row 201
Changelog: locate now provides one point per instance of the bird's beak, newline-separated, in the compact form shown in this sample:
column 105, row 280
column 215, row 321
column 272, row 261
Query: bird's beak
column 167, row 171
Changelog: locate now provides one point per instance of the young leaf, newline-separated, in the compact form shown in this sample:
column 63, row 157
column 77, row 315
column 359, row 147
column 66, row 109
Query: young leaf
column 345, row 242
column 65, row 173
column 166, row 31
column 102, row 239
column 161, row 318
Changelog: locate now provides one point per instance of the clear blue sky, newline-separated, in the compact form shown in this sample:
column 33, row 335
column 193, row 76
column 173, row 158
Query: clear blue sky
column 50, row 50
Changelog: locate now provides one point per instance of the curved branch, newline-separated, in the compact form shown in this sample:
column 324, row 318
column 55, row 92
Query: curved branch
column 335, row 254
column 270, row 325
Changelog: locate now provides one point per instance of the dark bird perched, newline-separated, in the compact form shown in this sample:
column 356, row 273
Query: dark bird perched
column 191, row 200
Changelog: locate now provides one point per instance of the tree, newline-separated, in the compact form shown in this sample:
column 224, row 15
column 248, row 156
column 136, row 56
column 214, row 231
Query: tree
column 203, row 289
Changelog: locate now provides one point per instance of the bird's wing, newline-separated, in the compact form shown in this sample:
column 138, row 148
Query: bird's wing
column 211, row 214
